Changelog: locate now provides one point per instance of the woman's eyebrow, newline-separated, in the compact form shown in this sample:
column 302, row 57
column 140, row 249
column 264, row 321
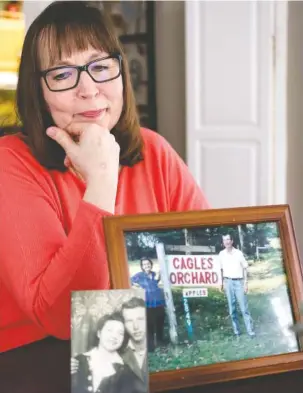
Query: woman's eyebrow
column 70, row 63
column 62, row 63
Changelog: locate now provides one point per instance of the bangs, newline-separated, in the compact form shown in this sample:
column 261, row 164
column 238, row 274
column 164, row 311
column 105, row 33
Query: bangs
column 58, row 41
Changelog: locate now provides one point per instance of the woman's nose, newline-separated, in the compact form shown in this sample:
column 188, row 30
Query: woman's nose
column 87, row 88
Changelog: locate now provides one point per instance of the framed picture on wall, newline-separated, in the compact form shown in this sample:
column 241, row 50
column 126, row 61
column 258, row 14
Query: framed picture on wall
column 223, row 288
column 138, row 67
column 134, row 23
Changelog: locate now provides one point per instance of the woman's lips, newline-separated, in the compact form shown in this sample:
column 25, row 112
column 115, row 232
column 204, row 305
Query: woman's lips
column 92, row 114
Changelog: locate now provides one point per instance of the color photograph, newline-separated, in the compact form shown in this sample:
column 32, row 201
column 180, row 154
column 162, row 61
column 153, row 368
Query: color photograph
column 213, row 294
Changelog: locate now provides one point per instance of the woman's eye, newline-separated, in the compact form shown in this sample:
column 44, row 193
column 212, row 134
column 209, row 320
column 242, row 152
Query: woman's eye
column 99, row 68
column 61, row 76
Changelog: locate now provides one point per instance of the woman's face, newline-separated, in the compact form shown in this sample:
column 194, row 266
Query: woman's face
column 70, row 108
column 146, row 266
column 112, row 335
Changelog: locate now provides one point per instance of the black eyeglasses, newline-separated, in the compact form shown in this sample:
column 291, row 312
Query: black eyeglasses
column 67, row 77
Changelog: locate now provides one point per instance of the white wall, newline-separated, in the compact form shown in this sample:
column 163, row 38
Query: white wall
column 32, row 9
column 170, row 68
column 170, row 71
column 295, row 117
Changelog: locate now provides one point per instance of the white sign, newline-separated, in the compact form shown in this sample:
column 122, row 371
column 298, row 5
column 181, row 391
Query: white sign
column 195, row 292
column 194, row 270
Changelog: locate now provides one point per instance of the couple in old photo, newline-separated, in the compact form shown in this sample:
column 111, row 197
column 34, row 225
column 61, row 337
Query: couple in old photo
column 117, row 362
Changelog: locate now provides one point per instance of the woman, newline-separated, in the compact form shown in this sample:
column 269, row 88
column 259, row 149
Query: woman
column 81, row 156
column 102, row 369
column 155, row 302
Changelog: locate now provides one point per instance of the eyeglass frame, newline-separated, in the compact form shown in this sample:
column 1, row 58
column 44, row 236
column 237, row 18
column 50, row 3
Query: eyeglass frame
column 82, row 68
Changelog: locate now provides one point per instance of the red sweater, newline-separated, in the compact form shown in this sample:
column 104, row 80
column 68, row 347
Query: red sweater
column 52, row 242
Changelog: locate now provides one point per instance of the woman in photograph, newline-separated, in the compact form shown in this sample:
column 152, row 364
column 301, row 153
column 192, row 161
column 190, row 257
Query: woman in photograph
column 155, row 302
column 80, row 156
column 102, row 369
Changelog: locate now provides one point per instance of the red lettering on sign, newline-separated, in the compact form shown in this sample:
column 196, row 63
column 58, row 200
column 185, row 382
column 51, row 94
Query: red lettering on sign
column 194, row 278
column 215, row 277
column 187, row 278
column 172, row 278
column 203, row 263
column 175, row 263
column 207, row 278
column 197, row 267
column 180, row 278
column 190, row 263
column 193, row 263
column 193, row 270
column 183, row 263
column 201, row 278
column 210, row 263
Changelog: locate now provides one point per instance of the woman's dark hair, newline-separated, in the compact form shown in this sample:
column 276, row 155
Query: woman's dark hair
column 146, row 259
column 115, row 316
column 62, row 28
column 229, row 234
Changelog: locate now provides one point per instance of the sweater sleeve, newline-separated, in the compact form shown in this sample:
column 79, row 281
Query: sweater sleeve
column 40, row 263
column 184, row 192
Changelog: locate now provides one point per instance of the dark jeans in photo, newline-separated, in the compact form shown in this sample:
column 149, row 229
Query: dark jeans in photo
column 155, row 327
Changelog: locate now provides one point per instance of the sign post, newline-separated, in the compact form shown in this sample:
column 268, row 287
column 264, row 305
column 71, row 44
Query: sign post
column 170, row 308
column 189, row 325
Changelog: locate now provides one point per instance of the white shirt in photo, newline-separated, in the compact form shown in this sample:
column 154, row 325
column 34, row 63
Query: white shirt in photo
column 100, row 366
column 232, row 263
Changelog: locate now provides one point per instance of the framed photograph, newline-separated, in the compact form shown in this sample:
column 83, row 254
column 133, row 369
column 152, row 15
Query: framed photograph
column 108, row 341
column 129, row 17
column 134, row 22
column 223, row 287
column 136, row 54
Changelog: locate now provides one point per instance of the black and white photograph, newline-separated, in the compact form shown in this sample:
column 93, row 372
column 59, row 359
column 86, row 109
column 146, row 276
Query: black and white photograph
column 108, row 341
column 213, row 294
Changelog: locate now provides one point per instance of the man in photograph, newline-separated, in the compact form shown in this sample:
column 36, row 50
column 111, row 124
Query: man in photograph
column 135, row 354
column 234, row 283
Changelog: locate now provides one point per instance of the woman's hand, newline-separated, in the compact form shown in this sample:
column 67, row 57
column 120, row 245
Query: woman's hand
column 95, row 153
column 74, row 365
column 135, row 285
column 95, row 156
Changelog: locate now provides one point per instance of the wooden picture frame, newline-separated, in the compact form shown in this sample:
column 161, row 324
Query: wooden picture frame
column 118, row 227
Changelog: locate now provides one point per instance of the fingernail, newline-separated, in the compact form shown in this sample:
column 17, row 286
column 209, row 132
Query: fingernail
column 51, row 131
